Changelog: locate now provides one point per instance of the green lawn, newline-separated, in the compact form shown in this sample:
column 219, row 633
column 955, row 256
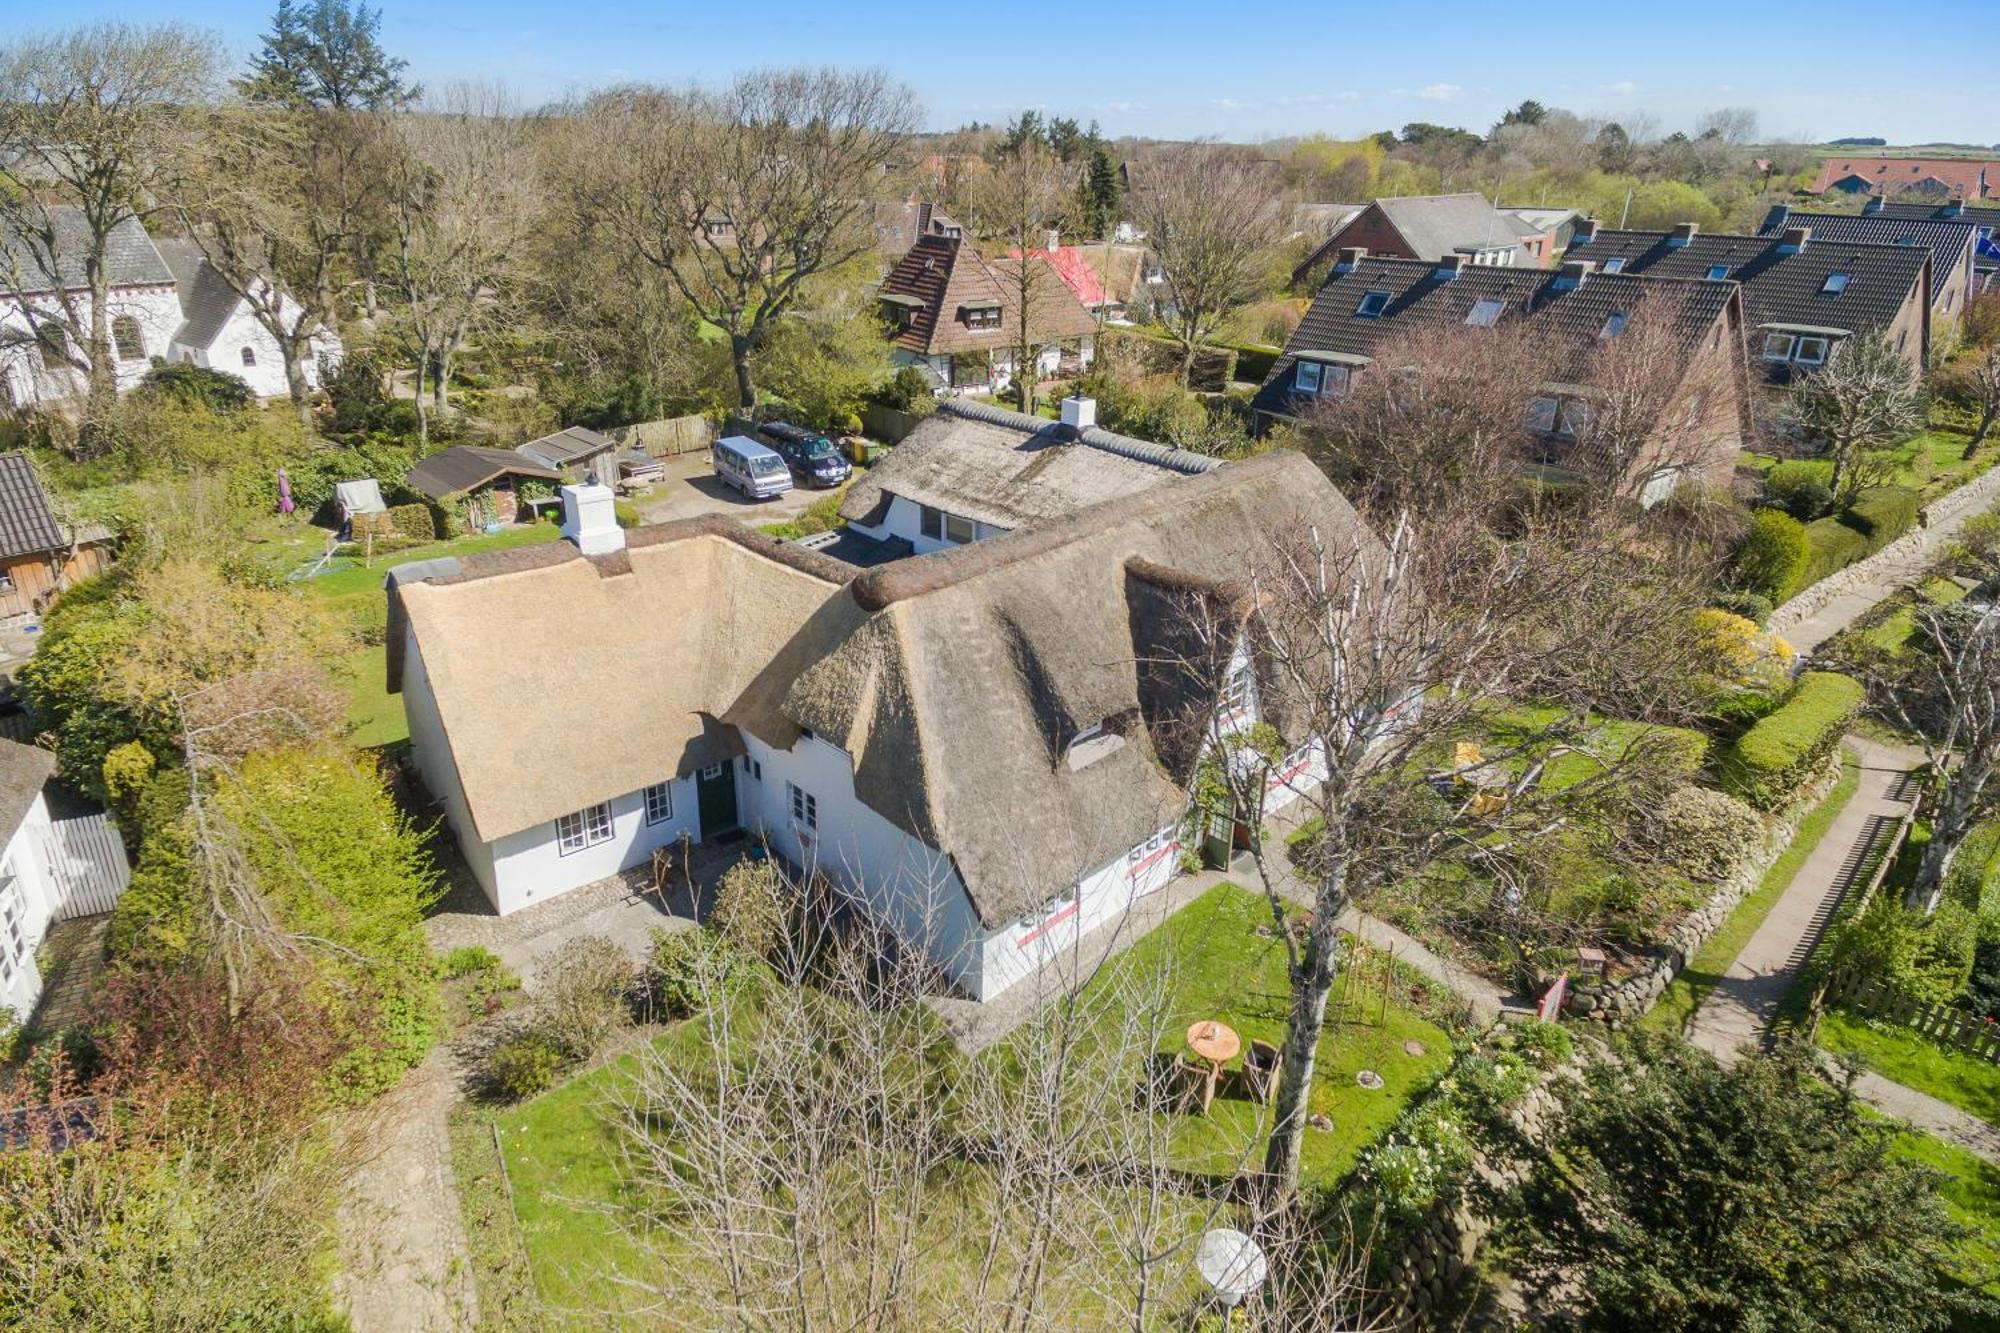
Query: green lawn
column 1931, row 462
column 1965, row 1080
column 1971, row 1192
column 1895, row 630
column 1677, row 1004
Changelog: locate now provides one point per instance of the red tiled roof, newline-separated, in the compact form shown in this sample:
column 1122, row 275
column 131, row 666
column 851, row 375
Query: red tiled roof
column 1073, row 267
column 1974, row 178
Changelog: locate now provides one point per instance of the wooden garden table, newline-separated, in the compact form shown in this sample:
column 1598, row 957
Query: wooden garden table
column 1214, row 1042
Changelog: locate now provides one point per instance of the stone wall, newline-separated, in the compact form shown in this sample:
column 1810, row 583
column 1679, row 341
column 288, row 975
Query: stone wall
column 1901, row 558
column 1627, row 999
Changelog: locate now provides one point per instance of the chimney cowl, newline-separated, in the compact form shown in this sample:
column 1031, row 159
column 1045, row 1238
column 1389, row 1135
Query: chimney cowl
column 1079, row 413
column 590, row 520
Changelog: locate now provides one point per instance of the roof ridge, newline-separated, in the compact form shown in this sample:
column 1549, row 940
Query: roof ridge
column 1108, row 441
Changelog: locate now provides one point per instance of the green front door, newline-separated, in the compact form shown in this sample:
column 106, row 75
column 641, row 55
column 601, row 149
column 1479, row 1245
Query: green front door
column 715, row 794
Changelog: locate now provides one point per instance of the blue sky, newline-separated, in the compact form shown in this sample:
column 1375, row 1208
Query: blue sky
column 1237, row 71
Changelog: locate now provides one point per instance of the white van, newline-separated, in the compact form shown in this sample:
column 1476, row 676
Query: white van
column 752, row 468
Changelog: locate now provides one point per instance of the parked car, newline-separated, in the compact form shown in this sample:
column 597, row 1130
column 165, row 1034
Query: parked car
column 752, row 468
column 810, row 455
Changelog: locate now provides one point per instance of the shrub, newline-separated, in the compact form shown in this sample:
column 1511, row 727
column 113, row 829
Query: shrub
column 1754, row 607
column 752, row 906
column 1768, row 761
column 1925, row 959
column 627, row 513
column 686, row 969
column 1418, row 1164
column 582, row 997
column 908, row 391
column 1771, row 562
column 1882, row 514
column 525, row 1065
column 1800, row 486
column 468, row 959
column 185, row 382
column 1543, row 1045
column 413, row 521
column 1702, row 833
column 1832, row 546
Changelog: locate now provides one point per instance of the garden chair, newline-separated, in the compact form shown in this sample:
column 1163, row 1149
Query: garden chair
column 1262, row 1064
column 1194, row 1084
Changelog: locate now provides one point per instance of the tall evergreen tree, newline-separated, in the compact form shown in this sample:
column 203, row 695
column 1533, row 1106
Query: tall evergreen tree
column 322, row 53
column 1101, row 195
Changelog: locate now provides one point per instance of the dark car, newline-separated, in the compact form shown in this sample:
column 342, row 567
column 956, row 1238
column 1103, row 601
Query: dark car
column 810, row 455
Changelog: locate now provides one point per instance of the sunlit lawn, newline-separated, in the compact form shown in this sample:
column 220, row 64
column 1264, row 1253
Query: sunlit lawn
column 1967, row 1081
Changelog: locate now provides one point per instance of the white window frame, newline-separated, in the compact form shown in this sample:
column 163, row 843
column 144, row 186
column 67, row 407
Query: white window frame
column 1306, row 376
column 118, row 325
column 1782, row 342
column 1614, row 324
column 1799, row 351
column 1542, row 412
column 659, row 802
column 803, row 807
column 584, row 829
column 1836, row 283
column 1718, row 272
column 1380, row 300
column 1485, row 312
column 1615, row 264
column 1574, row 419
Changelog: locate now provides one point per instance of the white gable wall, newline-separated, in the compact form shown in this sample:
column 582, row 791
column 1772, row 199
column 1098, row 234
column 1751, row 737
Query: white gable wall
column 905, row 519
column 28, row 380
column 266, row 374
column 34, row 896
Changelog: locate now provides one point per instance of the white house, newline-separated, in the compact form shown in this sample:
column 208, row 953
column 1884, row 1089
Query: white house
column 971, row 470
column 218, row 329
column 989, row 746
column 167, row 304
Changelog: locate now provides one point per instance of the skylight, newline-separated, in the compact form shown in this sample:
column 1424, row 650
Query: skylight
column 1615, row 264
column 1372, row 305
column 1835, row 284
column 1485, row 314
column 1717, row 272
column 1614, row 324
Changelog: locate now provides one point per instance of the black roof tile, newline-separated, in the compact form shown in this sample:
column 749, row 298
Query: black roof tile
column 27, row 524
column 1950, row 243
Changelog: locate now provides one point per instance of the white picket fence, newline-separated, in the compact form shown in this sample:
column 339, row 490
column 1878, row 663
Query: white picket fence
column 86, row 860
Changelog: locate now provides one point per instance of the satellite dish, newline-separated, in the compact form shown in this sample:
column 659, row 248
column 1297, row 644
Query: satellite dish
column 1231, row 1263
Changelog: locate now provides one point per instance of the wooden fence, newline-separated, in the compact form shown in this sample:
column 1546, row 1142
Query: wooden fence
column 1942, row 1023
column 669, row 436
column 86, row 862
column 887, row 424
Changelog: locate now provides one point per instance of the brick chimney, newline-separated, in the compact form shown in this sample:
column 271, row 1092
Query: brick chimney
column 1572, row 275
column 1794, row 240
column 1682, row 234
column 1350, row 258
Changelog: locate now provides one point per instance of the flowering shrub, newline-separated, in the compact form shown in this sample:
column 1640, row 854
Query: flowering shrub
column 1421, row 1159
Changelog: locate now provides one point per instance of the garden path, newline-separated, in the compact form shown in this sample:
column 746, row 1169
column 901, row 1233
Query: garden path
column 1737, row 1014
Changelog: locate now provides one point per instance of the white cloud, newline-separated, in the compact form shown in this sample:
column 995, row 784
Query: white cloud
column 1622, row 88
column 1440, row 92
column 1227, row 104
column 1119, row 107
column 1348, row 96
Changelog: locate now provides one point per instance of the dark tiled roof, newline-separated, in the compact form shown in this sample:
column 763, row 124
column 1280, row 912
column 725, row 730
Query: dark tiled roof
column 23, row 771
column 206, row 300
column 565, row 447
column 27, row 525
column 1985, row 215
column 467, row 467
column 1948, row 242
column 942, row 275
column 1778, row 288
column 1571, row 318
column 130, row 257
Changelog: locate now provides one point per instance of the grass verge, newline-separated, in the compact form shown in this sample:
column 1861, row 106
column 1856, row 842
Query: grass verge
column 1678, row 1003
column 1970, row 1083
column 1971, row 1191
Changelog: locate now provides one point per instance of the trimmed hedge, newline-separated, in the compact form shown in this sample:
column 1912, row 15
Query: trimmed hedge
column 1768, row 762
column 1772, row 560
column 1883, row 513
column 1831, row 546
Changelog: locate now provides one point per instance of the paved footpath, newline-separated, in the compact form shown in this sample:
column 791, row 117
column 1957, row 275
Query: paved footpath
column 1737, row 1015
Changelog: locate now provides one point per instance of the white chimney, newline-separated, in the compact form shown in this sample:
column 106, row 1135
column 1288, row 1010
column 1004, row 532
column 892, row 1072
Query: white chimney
column 590, row 520
column 1055, row 240
column 1079, row 413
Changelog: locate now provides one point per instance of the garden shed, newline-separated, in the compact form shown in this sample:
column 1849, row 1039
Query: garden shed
column 476, row 485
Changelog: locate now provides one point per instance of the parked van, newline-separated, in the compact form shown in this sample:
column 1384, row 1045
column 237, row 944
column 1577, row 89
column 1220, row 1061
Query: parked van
column 809, row 454
column 752, row 468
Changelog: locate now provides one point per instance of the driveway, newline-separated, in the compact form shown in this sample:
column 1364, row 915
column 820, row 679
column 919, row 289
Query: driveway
column 691, row 490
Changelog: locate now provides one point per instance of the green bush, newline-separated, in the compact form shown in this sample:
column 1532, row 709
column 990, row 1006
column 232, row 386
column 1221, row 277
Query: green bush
column 627, row 513
column 1543, row 1045
column 1926, row 959
column 1833, row 546
column 1768, row 761
column 524, row 1066
column 1703, row 834
column 687, row 969
column 414, row 521
column 582, row 996
column 1882, row 514
column 1771, row 562
column 468, row 959
column 1754, row 607
column 185, row 382
column 1801, row 487
column 752, row 907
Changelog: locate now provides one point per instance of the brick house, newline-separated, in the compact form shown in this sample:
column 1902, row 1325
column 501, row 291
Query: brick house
column 957, row 315
column 1432, row 226
column 1953, row 244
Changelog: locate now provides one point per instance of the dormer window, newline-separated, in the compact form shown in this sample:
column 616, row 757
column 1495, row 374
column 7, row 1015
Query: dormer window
column 1811, row 351
column 1306, row 375
column 1090, row 745
column 1835, row 284
column 1485, row 314
column 1615, row 264
column 1372, row 305
column 979, row 316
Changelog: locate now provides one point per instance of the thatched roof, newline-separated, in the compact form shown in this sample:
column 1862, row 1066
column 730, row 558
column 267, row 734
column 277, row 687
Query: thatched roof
column 23, row 771
column 959, row 696
column 700, row 625
column 1011, row 469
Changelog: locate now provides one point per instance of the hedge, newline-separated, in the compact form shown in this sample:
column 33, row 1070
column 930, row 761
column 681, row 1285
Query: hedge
column 1831, row 546
column 1772, row 560
column 1768, row 762
column 1882, row 514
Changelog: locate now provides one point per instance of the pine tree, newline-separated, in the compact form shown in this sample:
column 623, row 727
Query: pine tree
column 1100, row 193
column 324, row 54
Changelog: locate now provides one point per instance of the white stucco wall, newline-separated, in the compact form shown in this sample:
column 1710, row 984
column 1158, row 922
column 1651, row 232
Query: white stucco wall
column 243, row 330
column 157, row 311
column 37, row 896
column 530, row 866
column 905, row 519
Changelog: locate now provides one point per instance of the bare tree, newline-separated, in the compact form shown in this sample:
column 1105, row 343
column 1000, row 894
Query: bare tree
column 1210, row 214
column 1863, row 399
column 743, row 195
column 1974, row 383
column 1952, row 702
column 1024, row 203
column 463, row 193
column 92, row 123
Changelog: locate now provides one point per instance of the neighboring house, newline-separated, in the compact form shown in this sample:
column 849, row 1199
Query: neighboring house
column 1953, row 245
column 970, row 471
column 1431, row 226
column 482, row 479
column 39, row 556
column 1552, row 229
column 50, row 870
column 1985, row 220
column 1322, row 220
column 988, row 749
column 956, row 315
column 1573, row 311
column 1956, row 177
column 219, row 331
column 900, row 226
column 1801, row 295
column 43, row 292
column 1104, row 277
column 578, row 453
